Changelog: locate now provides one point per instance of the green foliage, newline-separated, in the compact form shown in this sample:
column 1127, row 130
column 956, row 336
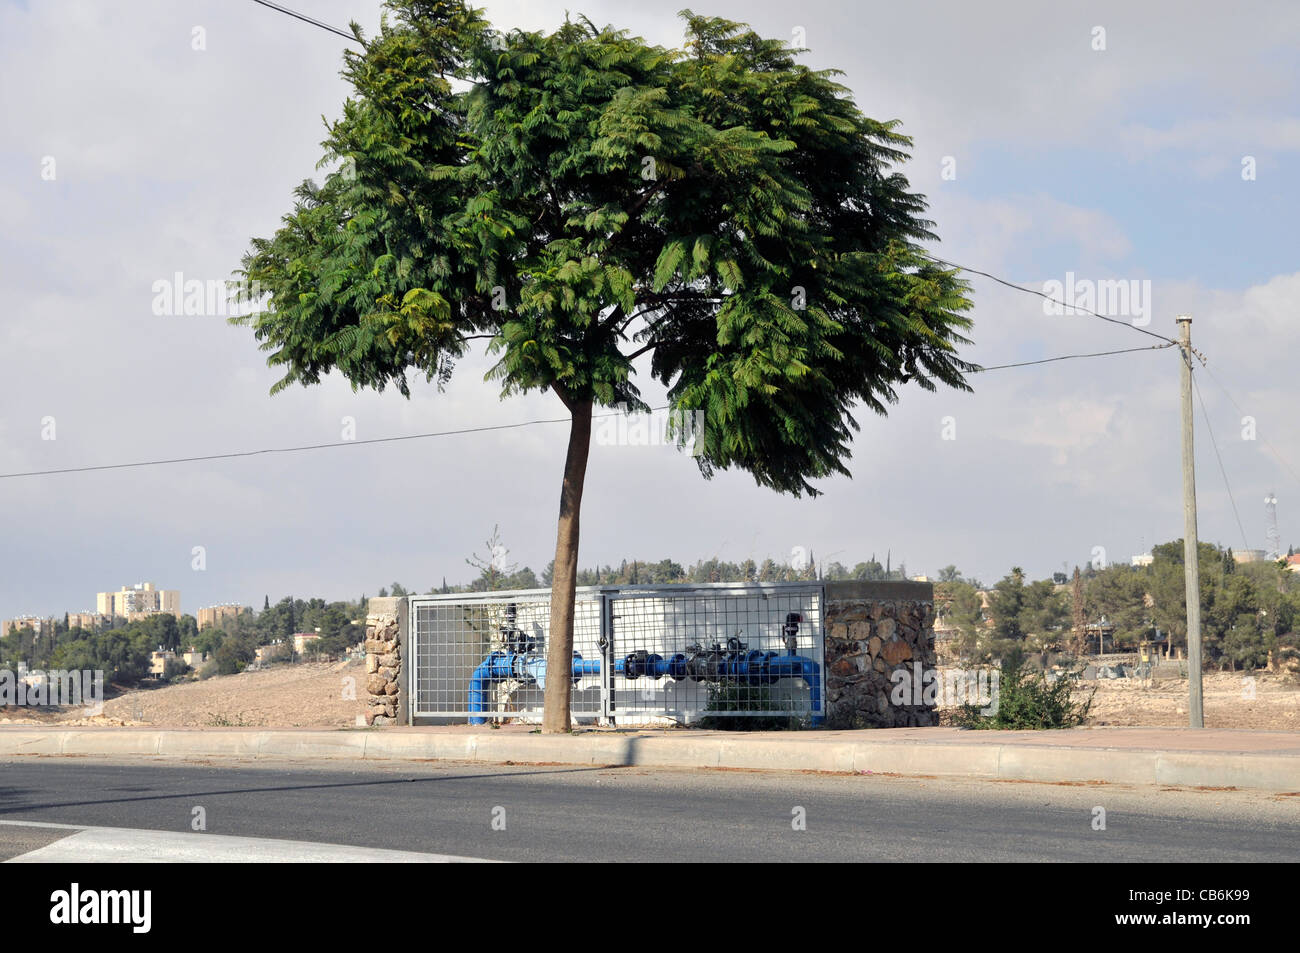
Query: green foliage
column 735, row 696
column 234, row 655
column 1026, row 700
column 1248, row 610
column 580, row 198
column 958, row 605
column 122, row 654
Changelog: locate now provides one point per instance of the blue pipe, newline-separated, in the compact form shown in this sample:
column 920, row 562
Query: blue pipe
column 500, row 666
column 757, row 668
column 496, row 667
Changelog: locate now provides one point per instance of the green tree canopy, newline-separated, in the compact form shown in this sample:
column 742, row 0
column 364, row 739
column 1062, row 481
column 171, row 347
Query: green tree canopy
column 580, row 199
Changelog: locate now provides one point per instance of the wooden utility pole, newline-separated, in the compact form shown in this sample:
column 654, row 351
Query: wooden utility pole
column 1191, row 551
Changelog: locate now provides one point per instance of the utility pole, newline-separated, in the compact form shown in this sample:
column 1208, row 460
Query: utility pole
column 1191, row 551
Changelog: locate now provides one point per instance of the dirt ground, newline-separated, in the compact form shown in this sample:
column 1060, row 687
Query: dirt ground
column 312, row 695
column 1228, row 701
column 305, row 695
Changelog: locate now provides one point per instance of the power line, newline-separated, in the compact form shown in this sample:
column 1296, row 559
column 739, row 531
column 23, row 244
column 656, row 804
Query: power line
column 1061, row 357
column 451, row 433
column 1222, row 471
column 306, row 19
column 1071, row 357
column 316, row 446
column 1047, row 297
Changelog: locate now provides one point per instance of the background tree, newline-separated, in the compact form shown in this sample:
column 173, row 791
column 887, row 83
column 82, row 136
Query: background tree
column 958, row 606
column 1118, row 594
column 582, row 199
column 495, row 568
column 1006, row 600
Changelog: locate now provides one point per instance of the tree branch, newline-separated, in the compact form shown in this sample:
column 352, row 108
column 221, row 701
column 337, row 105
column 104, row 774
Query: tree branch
column 561, row 393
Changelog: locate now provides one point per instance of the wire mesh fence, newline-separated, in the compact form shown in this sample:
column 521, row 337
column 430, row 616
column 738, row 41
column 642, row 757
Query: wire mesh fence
column 643, row 654
column 482, row 656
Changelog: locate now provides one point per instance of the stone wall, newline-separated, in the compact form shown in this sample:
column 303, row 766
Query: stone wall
column 872, row 630
column 385, row 685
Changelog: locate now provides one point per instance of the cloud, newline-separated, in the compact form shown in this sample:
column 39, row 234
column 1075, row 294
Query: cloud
column 170, row 158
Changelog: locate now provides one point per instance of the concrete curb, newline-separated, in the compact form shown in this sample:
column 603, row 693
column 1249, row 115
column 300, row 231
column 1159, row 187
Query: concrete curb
column 857, row 753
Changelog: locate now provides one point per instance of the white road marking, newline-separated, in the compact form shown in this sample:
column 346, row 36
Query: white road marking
column 123, row 845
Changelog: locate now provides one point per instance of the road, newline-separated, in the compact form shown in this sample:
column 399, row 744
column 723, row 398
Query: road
column 565, row 813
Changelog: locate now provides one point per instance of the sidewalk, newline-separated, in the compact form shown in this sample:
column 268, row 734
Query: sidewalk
column 1258, row 760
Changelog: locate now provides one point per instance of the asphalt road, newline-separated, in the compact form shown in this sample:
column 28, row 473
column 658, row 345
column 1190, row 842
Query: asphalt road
column 565, row 813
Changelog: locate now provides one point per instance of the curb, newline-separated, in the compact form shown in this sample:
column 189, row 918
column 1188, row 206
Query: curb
column 985, row 761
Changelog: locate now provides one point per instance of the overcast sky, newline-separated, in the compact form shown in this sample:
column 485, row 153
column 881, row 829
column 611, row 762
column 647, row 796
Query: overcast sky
column 1133, row 162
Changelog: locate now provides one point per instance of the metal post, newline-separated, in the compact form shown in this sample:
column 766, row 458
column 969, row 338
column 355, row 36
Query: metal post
column 1191, row 553
column 607, row 659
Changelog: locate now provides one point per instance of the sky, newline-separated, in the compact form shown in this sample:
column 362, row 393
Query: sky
column 1076, row 143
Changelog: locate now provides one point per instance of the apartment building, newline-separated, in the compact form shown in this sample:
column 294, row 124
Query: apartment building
column 38, row 625
column 85, row 620
column 139, row 601
column 215, row 615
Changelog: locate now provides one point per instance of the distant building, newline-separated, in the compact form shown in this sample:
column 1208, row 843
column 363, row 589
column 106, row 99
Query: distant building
column 1293, row 562
column 1249, row 555
column 37, row 625
column 193, row 658
column 85, row 620
column 139, row 601
column 1099, row 636
column 268, row 653
column 1143, row 559
column 215, row 615
column 302, row 639
column 158, row 661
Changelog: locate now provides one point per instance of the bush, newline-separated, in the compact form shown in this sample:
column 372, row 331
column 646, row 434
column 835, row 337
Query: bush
column 1027, row 701
column 737, row 696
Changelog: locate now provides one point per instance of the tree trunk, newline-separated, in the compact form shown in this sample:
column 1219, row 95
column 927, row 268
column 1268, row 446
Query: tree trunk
column 559, row 649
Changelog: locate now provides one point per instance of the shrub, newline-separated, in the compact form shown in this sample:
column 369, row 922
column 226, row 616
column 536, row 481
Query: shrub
column 737, row 696
column 1026, row 700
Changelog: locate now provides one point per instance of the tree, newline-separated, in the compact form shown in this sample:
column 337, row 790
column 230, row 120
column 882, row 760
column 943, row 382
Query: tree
column 870, row 571
column 189, row 629
column 234, row 653
column 1044, row 613
column 958, row 605
column 1078, row 617
column 495, row 569
column 1006, row 602
column 581, row 199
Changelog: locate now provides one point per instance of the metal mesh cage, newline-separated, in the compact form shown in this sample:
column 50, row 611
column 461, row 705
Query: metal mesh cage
column 460, row 642
column 703, row 652
column 643, row 654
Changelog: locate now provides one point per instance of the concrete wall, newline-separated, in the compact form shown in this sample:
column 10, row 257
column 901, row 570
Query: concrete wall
column 874, row 629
